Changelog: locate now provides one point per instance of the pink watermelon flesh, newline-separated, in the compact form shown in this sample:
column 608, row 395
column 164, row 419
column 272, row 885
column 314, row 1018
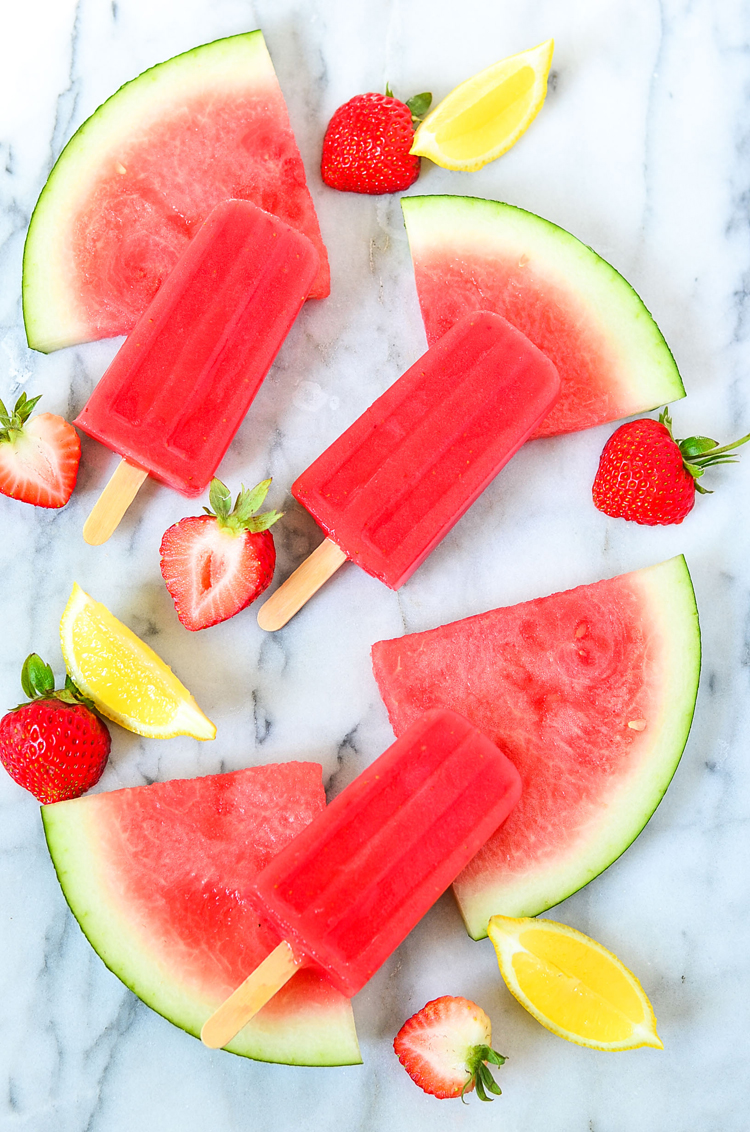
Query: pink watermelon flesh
column 137, row 179
column 133, row 227
column 156, row 874
column 473, row 254
column 590, row 693
column 449, row 289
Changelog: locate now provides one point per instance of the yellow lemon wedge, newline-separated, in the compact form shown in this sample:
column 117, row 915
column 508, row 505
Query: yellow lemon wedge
column 126, row 680
column 573, row 985
column 486, row 115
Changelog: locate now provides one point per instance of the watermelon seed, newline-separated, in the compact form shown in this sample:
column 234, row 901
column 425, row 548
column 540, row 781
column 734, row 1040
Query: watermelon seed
column 637, row 724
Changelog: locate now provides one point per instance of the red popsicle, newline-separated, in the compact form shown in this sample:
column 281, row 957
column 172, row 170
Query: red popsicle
column 180, row 385
column 347, row 890
column 392, row 485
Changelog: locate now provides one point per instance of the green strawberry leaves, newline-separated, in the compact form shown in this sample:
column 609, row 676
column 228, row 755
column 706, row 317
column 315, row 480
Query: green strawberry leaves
column 220, row 498
column 13, row 422
column 701, row 452
column 37, row 678
column 38, row 682
column 481, row 1073
column 696, row 446
column 418, row 104
column 242, row 516
column 248, row 503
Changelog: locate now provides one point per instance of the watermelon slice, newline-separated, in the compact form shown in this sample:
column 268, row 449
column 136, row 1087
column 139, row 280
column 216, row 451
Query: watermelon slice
column 471, row 254
column 591, row 694
column 141, row 174
column 154, row 875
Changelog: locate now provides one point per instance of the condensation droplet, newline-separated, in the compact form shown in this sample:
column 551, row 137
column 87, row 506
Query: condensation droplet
column 310, row 396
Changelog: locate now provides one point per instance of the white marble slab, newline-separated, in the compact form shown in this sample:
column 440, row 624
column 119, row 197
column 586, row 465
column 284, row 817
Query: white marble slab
column 641, row 151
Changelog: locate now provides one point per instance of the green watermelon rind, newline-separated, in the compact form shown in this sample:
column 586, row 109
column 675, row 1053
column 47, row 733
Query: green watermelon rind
column 648, row 374
column 317, row 1038
column 50, row 316
column 668, row 589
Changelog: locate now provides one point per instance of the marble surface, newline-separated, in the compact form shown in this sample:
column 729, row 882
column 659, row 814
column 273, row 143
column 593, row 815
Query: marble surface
column 642, row 152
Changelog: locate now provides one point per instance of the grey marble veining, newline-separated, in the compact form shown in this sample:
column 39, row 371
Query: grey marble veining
column 641, row 151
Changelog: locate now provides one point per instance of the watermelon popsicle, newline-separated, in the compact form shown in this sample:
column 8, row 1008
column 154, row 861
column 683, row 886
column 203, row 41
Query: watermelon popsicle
column 180, row 385
column 346, row 890
column 392, row 485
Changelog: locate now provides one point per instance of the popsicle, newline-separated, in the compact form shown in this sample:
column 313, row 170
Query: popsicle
column 346, row 891
column 180, row 385
column 392, row 485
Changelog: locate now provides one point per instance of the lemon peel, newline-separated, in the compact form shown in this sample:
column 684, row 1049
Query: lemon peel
column 126, row 680
column 487, row 114
column 572, row 985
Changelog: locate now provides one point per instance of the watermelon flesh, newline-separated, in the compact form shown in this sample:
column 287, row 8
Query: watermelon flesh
column 142, row 173
column 590, row 693
column 471, row 254
column 155, row 876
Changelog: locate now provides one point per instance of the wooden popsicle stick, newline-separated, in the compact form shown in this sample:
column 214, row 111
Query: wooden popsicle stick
column 299, row 587
column 244, row 1003
column 113, row 503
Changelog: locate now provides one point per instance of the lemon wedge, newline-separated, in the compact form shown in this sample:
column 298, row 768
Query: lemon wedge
column 126, row 680
column 486, row 115
column 573, row 985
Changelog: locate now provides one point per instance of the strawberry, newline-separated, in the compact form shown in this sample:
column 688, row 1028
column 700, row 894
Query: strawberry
column 646, row 475
column 366, row 146
column 39, row 457
column 444, row 1048
column 56, row 745
column 216, row 564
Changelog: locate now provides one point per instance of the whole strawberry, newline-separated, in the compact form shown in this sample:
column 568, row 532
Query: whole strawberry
column 649, row 477
column 56, row 745
column 38, row 457
column 445, row 1048
column 366, row 146
column 215, row 564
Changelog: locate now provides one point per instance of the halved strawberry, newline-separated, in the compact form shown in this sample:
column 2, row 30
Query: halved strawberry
column 39, row 457
column 444, row 1048
column 216, row 564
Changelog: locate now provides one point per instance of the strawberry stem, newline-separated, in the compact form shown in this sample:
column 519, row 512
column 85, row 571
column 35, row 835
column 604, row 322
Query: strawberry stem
column 701, row 452
column 710, row 455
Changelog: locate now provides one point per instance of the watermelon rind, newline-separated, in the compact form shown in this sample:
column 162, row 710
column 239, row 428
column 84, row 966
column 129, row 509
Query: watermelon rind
column 460, row 238
column 667, row 604
column 321, row 1035
column 234, row 65
column 668, row 593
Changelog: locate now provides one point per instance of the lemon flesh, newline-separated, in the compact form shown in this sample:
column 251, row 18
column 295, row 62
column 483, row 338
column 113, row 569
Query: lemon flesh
column 484, row 116
column 573, row 985
column 125, row 678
